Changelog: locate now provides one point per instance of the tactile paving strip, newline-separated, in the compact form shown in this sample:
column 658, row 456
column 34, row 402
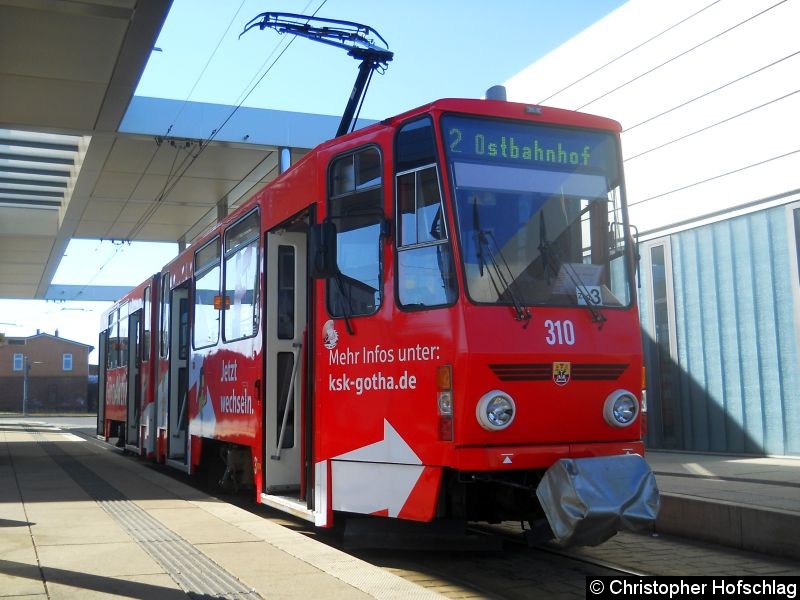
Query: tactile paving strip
column 195, row 573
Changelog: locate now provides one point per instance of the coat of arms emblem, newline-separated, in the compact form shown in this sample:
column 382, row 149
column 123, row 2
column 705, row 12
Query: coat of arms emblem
column 561, row 371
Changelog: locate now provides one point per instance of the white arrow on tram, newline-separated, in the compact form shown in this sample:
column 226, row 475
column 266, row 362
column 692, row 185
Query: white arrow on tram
column 376, row 477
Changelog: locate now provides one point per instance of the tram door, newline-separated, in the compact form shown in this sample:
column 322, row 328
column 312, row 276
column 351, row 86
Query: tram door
column 283, row 336
column 178, row 409
column 134, row 381
column 101, row 383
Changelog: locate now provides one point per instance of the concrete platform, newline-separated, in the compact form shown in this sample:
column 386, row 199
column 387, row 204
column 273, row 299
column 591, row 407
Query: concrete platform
column 751, row 503
column 78, row 521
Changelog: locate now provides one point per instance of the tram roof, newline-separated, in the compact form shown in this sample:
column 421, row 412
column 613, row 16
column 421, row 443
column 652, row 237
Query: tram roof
column 82, row 157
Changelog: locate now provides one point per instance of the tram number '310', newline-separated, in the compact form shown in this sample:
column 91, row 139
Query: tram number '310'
column 559, row 333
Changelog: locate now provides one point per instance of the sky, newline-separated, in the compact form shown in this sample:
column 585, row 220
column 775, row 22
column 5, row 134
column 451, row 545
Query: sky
column 442, row 48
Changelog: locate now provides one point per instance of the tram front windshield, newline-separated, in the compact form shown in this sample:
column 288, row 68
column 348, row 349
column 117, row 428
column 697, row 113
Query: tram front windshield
column 539, row 211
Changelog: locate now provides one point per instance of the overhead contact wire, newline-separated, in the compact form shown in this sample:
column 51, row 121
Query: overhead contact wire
column 682, row 54
column 637, row 47
column 203, row 144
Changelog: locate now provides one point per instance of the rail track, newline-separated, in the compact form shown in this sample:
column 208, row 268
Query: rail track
column 512, row 571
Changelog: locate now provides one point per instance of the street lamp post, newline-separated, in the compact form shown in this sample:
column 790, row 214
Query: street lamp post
column 26, row 369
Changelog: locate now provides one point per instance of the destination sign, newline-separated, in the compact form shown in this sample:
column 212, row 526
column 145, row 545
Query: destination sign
column 515, row 142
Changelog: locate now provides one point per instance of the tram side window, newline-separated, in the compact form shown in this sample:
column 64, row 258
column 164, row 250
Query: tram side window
column 146, row 325
column 112, row 337
column 164, row 316
column 286, row 292
column 123, row 336
column 425, row 270
column 241, row 279
column 206, row 288
column 356, row 207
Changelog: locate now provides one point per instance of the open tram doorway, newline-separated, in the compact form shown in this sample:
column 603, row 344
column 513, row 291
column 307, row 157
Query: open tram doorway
column 178, row 407
column 101, row 384
column 287, row 421
column 134, row 393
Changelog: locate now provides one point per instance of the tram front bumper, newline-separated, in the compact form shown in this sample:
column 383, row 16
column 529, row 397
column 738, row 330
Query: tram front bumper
column 588, row 500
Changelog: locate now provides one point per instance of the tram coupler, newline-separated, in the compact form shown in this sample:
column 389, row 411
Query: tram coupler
column 538, row 533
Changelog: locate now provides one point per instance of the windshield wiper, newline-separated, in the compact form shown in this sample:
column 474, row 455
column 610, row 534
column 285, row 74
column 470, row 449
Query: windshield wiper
column 523, row 314
column 551, row 259
column 544, row 249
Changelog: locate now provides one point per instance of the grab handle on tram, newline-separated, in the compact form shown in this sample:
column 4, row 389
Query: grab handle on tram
column 289, row 401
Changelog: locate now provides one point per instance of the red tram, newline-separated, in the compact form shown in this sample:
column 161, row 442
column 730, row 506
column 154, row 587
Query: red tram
column 430, row 318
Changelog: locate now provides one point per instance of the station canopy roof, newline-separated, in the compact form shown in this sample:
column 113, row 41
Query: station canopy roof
column 82, row 157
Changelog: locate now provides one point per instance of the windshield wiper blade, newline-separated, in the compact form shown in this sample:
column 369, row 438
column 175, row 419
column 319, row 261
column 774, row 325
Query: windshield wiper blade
column 551, row 257
column 544, row 250
column 597, row 315
column 522, row 312
column 481, row 259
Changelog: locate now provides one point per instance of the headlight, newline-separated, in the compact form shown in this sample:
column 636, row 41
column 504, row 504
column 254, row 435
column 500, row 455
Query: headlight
column 621, row 408
column 495, row 410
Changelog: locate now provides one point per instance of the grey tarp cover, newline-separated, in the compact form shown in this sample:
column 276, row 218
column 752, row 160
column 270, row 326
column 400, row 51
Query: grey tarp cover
column 587, row 500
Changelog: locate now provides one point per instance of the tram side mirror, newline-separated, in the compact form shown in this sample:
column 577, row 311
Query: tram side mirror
column 634, row 233
column 322, row 250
